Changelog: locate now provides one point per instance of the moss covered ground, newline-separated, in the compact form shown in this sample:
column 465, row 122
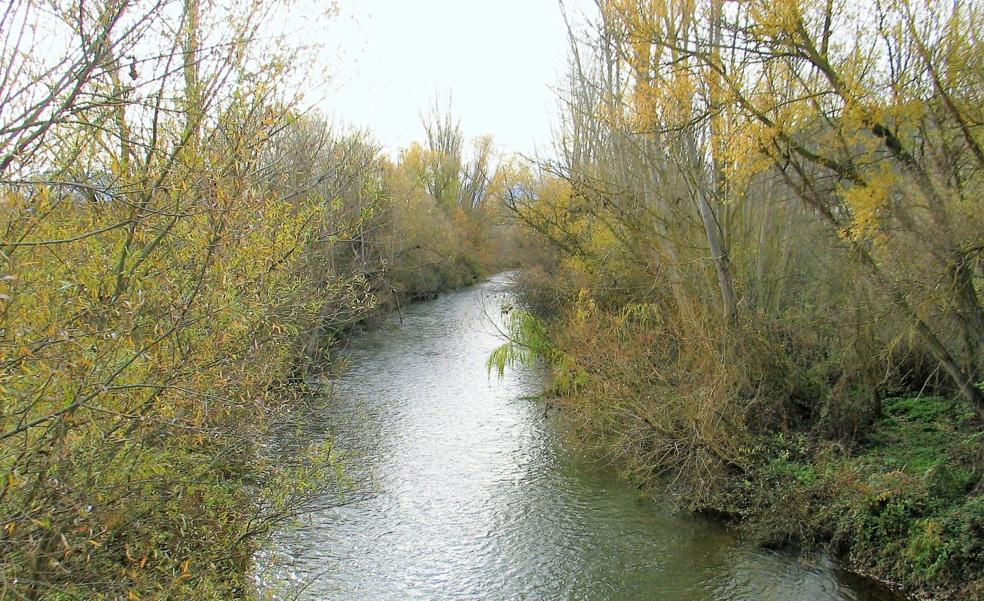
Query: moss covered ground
column 905, row 505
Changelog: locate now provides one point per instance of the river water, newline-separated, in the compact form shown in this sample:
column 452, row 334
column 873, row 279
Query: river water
column 466, row 491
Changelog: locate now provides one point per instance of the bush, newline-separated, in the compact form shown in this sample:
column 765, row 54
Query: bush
column 905, row 507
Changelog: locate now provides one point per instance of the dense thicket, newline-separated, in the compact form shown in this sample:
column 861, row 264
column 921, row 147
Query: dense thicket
column 765, row 218
column 177, row 244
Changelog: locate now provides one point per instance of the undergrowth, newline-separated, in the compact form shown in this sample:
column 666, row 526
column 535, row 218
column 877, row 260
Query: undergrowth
column 907, row 505
column 899, row 497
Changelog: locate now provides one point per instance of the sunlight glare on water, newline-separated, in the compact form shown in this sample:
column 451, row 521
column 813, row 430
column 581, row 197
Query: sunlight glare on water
column 474, row 497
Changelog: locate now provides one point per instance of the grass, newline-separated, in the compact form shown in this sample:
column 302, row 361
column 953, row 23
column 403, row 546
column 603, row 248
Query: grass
column 906, row 506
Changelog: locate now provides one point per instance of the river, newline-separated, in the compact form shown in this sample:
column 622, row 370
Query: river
column 468, row 492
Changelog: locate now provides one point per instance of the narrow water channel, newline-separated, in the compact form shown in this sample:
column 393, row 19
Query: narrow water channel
column 475, row 497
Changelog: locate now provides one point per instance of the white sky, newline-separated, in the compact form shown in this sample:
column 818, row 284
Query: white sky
column 497, row 60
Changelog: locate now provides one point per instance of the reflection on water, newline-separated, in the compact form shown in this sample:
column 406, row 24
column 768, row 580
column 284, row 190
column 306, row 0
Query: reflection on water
column 476, row 499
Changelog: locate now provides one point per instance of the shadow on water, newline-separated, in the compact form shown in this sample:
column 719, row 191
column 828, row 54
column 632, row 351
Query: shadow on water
column 473, row 496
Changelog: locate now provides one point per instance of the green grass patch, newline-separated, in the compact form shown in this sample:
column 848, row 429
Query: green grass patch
column 907, row 505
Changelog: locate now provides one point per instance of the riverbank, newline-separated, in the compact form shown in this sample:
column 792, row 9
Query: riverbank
column 404, row 285
column 905, row 506
column 409, row 280
column 761, row 431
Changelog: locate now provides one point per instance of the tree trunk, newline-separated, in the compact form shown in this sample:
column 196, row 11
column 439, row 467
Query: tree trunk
column 712, row 226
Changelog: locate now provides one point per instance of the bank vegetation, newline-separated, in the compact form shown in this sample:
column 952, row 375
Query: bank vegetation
column 180, row 242
column 755, row 267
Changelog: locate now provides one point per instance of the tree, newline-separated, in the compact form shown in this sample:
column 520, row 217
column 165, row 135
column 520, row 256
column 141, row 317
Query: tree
column 147, row 326
column 847, row 104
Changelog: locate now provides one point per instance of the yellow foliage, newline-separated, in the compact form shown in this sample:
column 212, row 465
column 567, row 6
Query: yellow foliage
column 868, row 204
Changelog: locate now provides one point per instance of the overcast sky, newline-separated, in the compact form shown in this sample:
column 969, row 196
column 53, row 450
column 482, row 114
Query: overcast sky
column 497, row 60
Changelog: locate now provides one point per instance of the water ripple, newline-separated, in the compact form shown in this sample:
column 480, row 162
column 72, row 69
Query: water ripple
column 476, row 499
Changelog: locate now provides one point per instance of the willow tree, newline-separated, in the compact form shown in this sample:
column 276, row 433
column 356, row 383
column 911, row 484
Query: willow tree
column 679, row 110
column 452, row 178
column 867, row 112
column 154, row 280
